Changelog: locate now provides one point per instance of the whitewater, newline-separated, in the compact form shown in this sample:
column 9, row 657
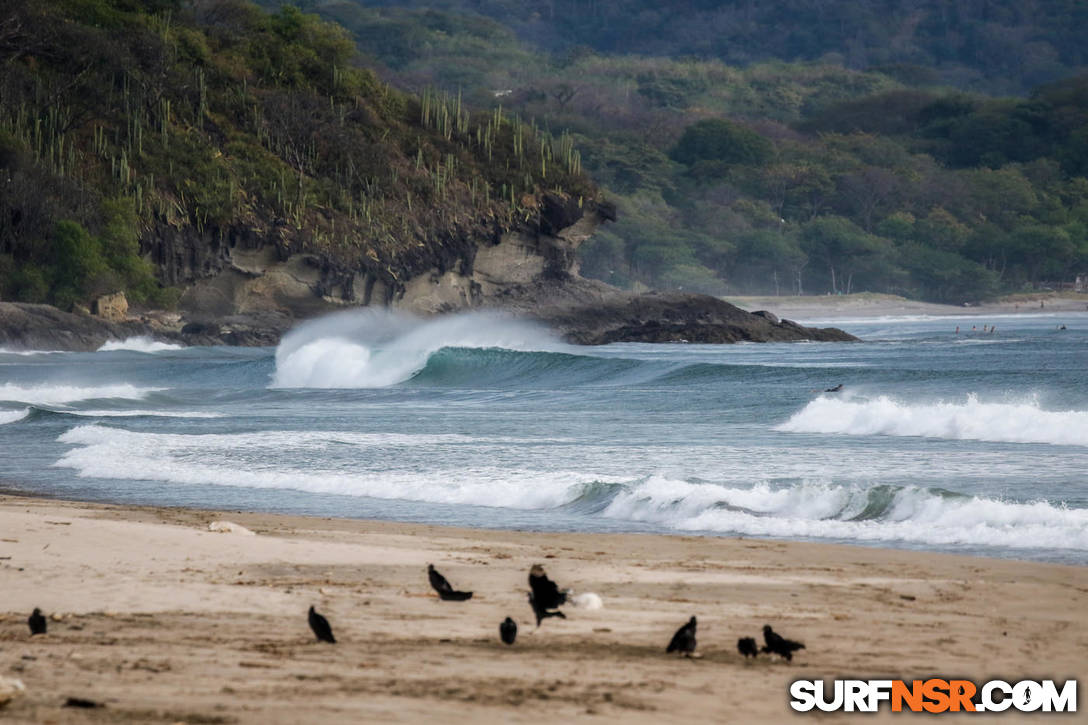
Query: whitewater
column 973, row 443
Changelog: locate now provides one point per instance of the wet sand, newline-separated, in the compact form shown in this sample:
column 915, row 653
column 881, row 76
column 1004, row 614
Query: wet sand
column 163, row 621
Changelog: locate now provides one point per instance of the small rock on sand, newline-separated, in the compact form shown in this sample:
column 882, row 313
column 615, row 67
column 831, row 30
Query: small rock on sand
column 10, row 688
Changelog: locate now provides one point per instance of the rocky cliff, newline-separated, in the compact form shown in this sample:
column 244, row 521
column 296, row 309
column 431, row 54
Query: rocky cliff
column 253, row 292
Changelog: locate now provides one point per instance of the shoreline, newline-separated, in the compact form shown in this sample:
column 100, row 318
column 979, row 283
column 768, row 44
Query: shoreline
column 12, row 490
column 163, row 620
column 873, row 305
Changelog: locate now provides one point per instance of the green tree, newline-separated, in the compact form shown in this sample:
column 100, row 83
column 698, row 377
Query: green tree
column 719, row 140
column 842, row 248
column 77, row 264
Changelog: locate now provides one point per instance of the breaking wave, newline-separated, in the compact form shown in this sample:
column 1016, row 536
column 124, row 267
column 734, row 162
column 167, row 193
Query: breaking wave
column 967, row 420
column 377, row 348
column 141, row 343
column 812, row 509
column 11, row 416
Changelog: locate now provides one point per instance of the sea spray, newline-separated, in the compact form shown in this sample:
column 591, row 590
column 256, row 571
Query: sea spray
column 1023, row 422
column 140, row 343
column 373, row 348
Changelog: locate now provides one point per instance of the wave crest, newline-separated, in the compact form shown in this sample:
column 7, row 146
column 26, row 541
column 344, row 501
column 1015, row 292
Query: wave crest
column 377, row 348
column 968, row 420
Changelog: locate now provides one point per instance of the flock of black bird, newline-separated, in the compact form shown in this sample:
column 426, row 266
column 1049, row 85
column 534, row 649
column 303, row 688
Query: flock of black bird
column 683, row 642
column 545, row 598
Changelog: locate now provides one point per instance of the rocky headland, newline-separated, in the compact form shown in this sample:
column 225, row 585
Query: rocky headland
column 250, row 292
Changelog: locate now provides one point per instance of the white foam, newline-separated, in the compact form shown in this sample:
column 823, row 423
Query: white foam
column 60, row 394
column 825, row 511
column 141, row 413
column 7, row 351
column 967, row 420
column 373, row 348
column 318, row 462
column 141, row 343
column 292, row 460
column 11, row 416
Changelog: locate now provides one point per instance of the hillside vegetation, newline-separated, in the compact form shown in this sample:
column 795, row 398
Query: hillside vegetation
column 776, row 177
column 138, row 139
column 995, row 46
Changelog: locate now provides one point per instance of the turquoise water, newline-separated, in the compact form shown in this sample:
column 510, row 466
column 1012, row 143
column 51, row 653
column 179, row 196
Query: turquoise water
column 975, row 443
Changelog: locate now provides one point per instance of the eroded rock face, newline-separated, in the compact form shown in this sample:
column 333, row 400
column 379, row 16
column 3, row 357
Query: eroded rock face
column 43, row 327
column 111, row 307
column 251, row 294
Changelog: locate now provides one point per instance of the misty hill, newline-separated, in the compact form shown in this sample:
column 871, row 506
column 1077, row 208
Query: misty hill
column 997, row 46
column 776, row 177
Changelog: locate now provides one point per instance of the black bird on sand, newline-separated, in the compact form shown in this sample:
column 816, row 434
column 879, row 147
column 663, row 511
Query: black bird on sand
column 545, row 595
column 37, row 622
column 779, row 645
column 508, row 631
column 747, row 647
column 684, row 639
column 321, row 627
column 445, row 591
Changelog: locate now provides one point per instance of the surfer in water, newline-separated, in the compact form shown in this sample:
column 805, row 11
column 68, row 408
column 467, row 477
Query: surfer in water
column 836, row 389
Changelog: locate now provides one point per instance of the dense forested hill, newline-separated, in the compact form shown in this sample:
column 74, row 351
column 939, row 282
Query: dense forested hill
column 140, row 138
column 1000, row 46
column 751, row 148
column 853, row 172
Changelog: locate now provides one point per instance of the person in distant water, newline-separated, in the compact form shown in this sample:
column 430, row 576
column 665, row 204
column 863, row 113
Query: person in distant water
column 957, row 329
column 992, row 328
column 836, row 389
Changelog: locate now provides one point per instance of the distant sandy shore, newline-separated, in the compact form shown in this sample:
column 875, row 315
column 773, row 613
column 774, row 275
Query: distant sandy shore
column 162, row 620
column 830, row 307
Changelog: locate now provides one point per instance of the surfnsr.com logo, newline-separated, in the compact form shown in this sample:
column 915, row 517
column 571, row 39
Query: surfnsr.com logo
column 934, row 696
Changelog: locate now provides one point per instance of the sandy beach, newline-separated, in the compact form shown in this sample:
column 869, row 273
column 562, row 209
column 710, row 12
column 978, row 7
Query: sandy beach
column 161, row 620
column 867, row 304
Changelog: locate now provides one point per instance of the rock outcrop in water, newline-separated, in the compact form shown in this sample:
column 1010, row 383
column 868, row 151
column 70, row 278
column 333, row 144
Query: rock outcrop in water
column 43, row 327
column 673, row 317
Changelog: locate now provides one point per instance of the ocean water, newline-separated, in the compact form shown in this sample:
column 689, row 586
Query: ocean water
column 974, row 443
